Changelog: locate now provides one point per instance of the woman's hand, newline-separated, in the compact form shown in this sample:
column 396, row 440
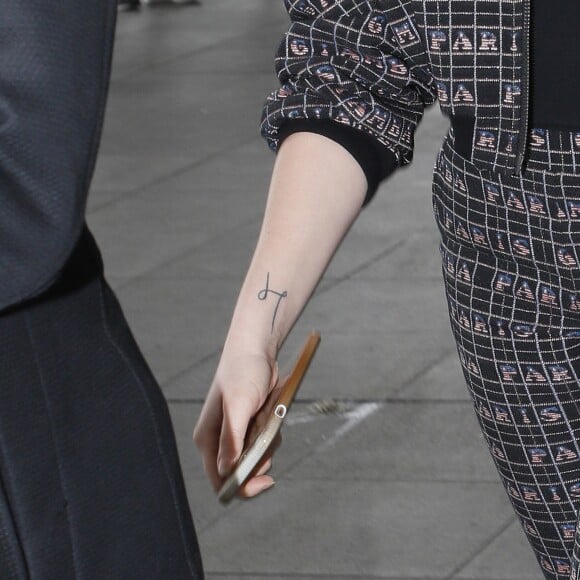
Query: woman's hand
column 236, row 408
column 316, row 192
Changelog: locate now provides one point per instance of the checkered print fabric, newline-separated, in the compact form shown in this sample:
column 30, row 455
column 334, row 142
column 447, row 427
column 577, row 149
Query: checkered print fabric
column 512, row 279
column 376, row 64
column 475, row 49
column 358, row 62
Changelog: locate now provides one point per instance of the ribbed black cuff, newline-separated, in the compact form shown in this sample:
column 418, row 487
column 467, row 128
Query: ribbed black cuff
column 376, row 161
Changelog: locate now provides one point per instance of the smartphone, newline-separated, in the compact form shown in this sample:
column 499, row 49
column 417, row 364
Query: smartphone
column 252, row 456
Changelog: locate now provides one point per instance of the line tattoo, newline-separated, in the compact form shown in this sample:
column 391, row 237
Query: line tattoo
column 263, row 295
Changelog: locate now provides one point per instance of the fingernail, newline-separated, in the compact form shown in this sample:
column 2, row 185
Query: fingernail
column 269, row 486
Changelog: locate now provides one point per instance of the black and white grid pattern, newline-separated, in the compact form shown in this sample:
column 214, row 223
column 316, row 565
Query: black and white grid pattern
column 512, row 278
column 475, row 50
column 375, row 65
column 358, row 62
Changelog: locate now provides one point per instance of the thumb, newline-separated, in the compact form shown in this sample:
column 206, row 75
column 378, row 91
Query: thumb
column 237, row 414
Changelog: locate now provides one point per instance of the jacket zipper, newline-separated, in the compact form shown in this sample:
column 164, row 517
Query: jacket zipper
column 525, row 109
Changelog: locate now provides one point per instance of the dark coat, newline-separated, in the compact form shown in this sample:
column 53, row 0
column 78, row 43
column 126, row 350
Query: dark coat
column 54, row 72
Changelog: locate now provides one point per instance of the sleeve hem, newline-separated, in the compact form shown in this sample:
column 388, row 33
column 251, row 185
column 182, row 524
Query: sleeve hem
column 376, row 161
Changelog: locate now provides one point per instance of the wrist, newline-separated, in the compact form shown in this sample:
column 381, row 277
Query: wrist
column 249, row 339
column 260, row 320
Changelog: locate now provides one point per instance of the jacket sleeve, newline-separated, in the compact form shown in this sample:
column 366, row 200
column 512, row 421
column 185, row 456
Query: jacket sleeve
column 360, row 63
column 375, row 160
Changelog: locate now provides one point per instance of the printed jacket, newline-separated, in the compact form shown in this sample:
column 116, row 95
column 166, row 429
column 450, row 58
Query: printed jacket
column 376, row 64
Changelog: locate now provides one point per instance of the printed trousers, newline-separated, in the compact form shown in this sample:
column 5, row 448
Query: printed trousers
column 511, row 267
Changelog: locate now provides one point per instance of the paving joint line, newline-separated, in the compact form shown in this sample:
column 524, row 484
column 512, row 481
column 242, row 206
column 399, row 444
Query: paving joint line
column 200, row 362
column 182, row 254
column 481, row 548
column 131, row 192
column 424, row 371
column 334, row 282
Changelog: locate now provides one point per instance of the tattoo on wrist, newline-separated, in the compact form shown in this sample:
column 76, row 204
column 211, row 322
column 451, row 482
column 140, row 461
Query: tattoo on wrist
column 263, row 295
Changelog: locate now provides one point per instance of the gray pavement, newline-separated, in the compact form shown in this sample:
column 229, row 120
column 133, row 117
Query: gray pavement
column 383, row 473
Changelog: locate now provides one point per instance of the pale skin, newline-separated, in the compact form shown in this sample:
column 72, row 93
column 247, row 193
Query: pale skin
column 316, row 193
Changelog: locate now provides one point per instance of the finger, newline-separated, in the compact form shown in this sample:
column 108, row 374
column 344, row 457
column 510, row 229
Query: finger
column 264, row 466
column 237, row 414
column 265, row 413
column 257, row 483
column 256, row 486
column 275, row 376
column 256, row 425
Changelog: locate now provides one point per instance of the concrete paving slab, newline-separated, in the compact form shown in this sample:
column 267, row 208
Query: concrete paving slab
column 223, row 257
column 402, row 203
column 375, row 306
column 192, row 383
column 200, row 205
column 171, row 220
column 240, row 181
column 443, row 381
column 152, row 38
column 408, row 323
column 406, row 205
column 404, row 198
column 249, row 53
column 166, row 231
column 240, row 177
column 211, row 108
column 101, row 197
column 357, row 375
column 322, row 381
column 357, row 528
column 508, row 557
column 175, row 324
column 416, row 258
column 406, row 442
column 360, row 253
column 129, row 172
column 364, row 365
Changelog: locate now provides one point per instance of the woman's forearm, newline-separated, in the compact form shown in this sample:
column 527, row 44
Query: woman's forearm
column 316, row 191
